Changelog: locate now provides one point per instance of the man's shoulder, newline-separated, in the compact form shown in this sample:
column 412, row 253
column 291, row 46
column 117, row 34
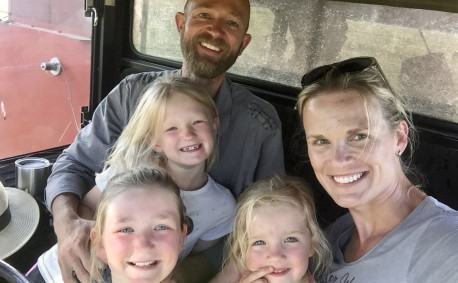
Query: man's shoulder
column 132, row 86
column 148, row 77
column 253, row 106
column 240, row 94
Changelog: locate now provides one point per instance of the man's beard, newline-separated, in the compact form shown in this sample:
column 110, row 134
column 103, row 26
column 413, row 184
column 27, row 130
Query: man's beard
column 202, row 67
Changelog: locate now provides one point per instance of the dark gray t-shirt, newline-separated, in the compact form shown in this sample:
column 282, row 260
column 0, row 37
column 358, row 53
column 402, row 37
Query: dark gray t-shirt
column 249, row 137
column 422, row 248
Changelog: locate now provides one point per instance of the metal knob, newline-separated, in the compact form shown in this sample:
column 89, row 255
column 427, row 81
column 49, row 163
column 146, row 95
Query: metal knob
column 53, row 66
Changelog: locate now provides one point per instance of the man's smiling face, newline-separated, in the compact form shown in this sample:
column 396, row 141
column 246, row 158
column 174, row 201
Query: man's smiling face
column 213, row 35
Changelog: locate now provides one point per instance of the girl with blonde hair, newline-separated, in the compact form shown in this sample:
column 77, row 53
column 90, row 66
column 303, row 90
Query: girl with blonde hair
column 276, row 236
column 139, row 228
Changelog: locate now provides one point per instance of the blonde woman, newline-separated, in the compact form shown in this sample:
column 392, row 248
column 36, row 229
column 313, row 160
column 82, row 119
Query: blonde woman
column 359, row 141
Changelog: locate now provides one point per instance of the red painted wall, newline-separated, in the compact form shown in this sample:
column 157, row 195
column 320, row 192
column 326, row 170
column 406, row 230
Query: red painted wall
column 41, row 110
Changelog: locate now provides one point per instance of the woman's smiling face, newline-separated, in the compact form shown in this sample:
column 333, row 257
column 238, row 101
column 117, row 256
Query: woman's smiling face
column 351, row 147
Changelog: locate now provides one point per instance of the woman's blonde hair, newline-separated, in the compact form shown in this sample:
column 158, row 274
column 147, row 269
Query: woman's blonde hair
column 274, row 191
column 376, row 93
column 135, row 145
column 143, row 178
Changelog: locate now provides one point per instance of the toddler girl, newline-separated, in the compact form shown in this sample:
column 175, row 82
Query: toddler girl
column 276, row 236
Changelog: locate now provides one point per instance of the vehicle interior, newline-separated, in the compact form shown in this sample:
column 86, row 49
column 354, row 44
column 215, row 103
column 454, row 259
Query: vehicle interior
column 414, row 41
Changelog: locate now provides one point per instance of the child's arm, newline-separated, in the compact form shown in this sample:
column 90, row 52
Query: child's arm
column 89, row 203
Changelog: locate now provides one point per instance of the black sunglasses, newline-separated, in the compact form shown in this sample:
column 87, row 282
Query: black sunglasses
column 352, row 65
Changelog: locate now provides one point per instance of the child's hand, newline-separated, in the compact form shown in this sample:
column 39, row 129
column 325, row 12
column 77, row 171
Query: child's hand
column 257, row 276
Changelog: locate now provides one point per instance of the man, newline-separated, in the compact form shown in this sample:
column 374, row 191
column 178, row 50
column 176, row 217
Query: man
column 213, row 34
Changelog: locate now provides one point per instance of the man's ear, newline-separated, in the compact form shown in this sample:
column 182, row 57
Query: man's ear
column 180, row 20
column 98, row 247
column 246, row 40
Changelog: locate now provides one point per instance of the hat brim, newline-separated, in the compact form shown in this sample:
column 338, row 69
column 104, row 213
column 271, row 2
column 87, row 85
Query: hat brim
column 25, row 216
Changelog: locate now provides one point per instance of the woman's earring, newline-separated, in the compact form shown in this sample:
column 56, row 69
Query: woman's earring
column 398, row 154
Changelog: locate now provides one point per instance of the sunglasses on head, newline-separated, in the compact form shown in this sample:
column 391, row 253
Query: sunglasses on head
column 352, row 65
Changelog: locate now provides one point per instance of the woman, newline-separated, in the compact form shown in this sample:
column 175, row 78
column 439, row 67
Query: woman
column 357, row 132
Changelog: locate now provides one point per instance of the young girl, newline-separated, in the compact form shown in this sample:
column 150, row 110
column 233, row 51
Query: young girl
column 276, row 236
column 139, row 229
column 175, row 126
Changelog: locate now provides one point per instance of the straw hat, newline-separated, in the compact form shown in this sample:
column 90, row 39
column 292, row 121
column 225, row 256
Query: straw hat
column 19, row 216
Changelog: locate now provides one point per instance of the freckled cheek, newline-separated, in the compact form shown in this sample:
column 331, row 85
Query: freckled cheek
column 318, row 162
